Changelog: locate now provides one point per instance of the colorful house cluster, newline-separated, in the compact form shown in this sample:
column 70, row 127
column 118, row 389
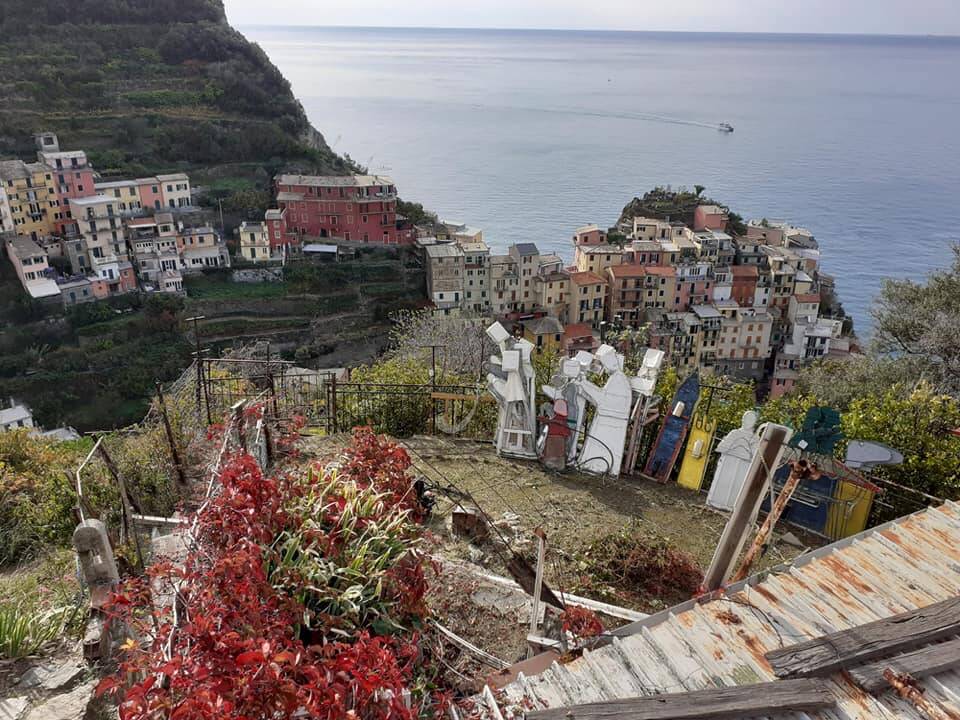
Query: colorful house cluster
column 745, row 306
column 338, row 208
column 74, row 238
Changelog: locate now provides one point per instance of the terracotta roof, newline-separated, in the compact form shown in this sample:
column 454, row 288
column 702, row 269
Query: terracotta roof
column 744, row 271
column 662, row 271
column 583, row 278
column 808, row 298
column 625, row 271
column 577, row 330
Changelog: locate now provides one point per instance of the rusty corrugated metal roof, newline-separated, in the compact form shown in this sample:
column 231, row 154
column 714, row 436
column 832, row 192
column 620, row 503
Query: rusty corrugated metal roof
column 900, row 566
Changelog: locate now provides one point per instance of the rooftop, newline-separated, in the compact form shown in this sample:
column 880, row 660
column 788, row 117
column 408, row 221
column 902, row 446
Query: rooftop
column 22, row 246
column 93, row 200
column 577, row 330
column 582, row 278
column 17, row 413
column 546, row 325
column 526, row 249
column 319, row 248
column 601, row 249
column 13, row 170
column 706, row 312
column 904, row 565
column 334, row 180
column 43, row 288
column 173, row 176
column 744, row 271
column 442, row 251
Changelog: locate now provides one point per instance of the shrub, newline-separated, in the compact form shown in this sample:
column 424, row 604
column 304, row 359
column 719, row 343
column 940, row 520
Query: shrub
column 290, row 611
column 645, row 565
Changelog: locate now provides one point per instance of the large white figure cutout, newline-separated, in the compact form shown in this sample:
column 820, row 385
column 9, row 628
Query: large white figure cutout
column 602, row 451
column 512, row 383
column 736, row 454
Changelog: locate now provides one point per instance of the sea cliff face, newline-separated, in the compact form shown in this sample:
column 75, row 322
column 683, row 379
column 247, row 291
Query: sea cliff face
column 147, row 85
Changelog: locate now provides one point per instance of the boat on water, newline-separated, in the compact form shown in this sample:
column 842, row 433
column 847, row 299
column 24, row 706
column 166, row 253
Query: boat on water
column 725, row 127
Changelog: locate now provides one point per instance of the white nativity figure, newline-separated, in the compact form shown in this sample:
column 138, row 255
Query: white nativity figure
column 512, row 384
column 736, row 455
column 603, row 445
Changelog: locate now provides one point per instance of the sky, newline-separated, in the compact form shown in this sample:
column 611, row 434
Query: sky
column 936, row 17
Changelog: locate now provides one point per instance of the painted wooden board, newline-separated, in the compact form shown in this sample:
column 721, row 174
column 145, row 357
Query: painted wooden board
column 673, row 432
column 918, row 664
column 693, row 468
column 856, row 646
column 714, row 703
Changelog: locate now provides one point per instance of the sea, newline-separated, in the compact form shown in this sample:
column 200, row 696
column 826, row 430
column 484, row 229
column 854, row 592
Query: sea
column 531, row 134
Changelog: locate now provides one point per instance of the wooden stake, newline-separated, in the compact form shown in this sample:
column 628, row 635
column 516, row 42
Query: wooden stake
column 181, row 476
column 799, row 471
column 535, row 612
column 747, row 506
column 127, row 504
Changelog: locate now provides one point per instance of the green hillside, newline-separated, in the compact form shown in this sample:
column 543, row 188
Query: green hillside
column 149, row 85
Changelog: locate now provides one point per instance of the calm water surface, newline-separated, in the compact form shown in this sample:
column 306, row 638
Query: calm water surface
column 531, row 134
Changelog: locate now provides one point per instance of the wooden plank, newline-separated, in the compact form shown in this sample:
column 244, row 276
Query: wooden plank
column 918, row 664
column 714, row 704
column 747, row 506
column 856, row 646
column 459, row 396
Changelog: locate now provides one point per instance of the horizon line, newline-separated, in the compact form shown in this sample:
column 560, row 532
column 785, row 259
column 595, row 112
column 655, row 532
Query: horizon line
column 937, row 36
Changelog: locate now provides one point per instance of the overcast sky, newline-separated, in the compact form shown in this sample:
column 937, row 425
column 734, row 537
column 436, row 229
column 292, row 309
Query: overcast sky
column 939, row 17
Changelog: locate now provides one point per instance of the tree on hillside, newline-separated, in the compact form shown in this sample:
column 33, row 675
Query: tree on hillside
column 922, row 321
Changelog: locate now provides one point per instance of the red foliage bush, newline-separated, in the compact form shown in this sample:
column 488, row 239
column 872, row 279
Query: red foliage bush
column 581, row 622
column 238, row 651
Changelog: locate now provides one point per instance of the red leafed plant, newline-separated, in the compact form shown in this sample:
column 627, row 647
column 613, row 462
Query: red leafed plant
column 581, row 622
column 281, row 612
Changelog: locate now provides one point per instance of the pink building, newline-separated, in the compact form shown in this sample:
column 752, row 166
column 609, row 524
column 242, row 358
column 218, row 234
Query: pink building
column 589, row 235
column 693, row 287
column 151, row 193
column 361, row 208
column 710, row 217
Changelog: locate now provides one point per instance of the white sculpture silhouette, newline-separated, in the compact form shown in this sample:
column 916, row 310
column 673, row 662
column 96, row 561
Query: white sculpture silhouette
column 512, row 383
column 602, row 451
column 736, row 454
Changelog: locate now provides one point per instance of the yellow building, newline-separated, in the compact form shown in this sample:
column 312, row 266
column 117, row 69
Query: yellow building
column 597, row 258
column 30, row 196
column 587, row 298
column 545, row 333
column 254, row 242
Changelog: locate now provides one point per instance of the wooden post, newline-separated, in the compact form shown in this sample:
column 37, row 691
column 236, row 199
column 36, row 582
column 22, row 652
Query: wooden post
column 535, row 612
column 174, row 453
column 799, row 470
column 238, row 421
column 747, row 506
column 125, row 501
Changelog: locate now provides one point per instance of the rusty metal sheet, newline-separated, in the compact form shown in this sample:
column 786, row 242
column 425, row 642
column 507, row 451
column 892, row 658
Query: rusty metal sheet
column 911, row 563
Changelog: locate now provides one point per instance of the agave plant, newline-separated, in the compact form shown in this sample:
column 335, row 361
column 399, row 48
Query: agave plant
column 23, row 631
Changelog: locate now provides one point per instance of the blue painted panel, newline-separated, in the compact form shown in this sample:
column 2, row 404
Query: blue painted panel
column 810, row 505
column 661, row 460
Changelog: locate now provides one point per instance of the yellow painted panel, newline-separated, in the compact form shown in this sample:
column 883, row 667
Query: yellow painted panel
column 693, row 468
column 856, row 521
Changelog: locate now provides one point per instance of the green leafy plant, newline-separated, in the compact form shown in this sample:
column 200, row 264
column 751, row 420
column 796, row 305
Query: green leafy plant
column 23, row 631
